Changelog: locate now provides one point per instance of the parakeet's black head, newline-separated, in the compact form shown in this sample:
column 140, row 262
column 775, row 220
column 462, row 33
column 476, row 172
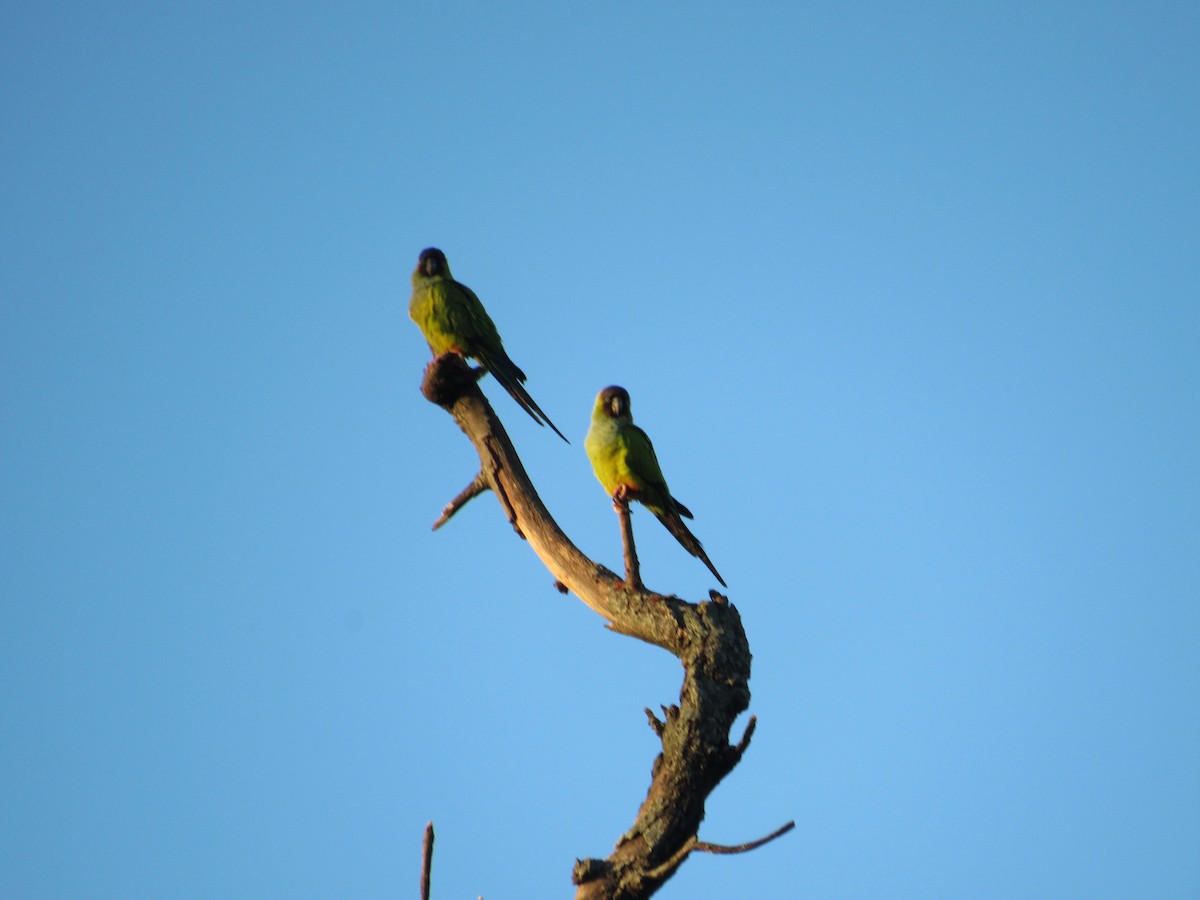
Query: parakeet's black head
column 432, row 263
column 614, row 402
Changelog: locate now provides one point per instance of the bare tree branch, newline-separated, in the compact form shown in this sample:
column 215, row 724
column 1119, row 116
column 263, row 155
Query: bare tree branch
column 426, row 860
column 477, row 486
column 707, row 637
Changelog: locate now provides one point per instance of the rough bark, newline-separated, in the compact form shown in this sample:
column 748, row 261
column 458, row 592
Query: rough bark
column 707, row 637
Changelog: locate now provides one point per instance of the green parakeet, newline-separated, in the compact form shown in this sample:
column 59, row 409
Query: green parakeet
column 454, row 321
column 624, row 460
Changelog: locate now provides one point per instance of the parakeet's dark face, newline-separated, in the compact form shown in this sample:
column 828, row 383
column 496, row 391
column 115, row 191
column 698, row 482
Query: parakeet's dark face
column 615, row 401
column 432, row 263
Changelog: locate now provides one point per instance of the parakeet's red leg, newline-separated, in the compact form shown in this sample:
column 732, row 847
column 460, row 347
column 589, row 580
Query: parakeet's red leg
column 626, row 494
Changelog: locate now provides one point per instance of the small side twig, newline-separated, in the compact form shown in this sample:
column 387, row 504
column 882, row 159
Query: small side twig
column 693, row 844
column 426, row 860
column 633, row 575
column 474, row 489
column 706, row 847
column 746, row 735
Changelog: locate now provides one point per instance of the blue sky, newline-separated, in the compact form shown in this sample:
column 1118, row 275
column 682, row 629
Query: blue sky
column 906, row 295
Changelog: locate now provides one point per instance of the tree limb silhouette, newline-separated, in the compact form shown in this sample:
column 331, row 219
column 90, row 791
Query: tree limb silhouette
column 707, row 637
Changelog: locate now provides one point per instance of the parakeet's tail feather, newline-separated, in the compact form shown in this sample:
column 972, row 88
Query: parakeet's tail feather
column 505, row 371
column 682, row 510
column 690, row 543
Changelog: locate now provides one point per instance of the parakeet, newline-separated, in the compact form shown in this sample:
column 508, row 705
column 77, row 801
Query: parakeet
column 623, row 458
column 454, row 321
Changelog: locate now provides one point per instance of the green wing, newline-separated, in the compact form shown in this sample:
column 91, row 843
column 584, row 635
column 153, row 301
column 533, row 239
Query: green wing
column 467, row 319
column 642, row 462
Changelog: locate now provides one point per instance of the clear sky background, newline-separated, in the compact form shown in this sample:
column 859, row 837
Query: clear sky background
column 908, row 296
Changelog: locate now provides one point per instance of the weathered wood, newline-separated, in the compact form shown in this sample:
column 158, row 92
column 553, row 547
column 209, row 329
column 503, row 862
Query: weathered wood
column 707, row 637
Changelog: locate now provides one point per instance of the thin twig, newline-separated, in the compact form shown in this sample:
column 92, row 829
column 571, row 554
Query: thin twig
column 706, row 847
column 474, row 489
column 746, row 735
column 633, row 575
column 692, row 844
column 426, row 860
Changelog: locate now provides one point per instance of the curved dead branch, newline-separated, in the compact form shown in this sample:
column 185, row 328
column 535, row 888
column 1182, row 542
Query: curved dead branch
column 707, row 637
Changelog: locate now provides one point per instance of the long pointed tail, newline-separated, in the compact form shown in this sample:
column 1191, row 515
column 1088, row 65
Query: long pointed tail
column 510, row 377
column 690, row 543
